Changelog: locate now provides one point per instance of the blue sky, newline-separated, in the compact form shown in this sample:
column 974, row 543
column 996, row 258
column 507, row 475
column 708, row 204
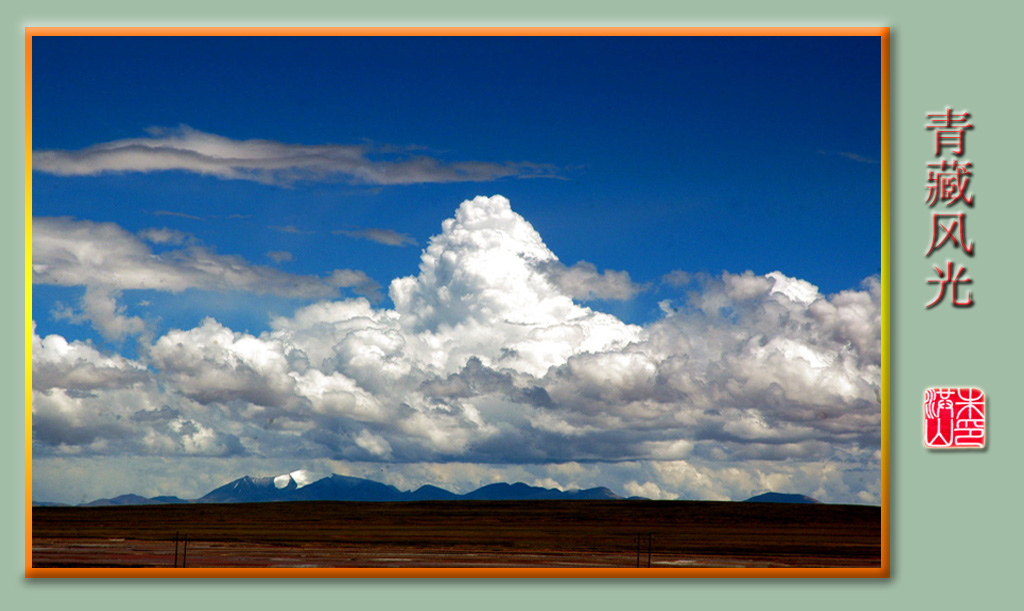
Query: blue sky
column 722, row 153
column 653, row 157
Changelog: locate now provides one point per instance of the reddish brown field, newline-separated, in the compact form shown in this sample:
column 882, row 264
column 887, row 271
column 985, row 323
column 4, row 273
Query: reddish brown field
column 460, row 534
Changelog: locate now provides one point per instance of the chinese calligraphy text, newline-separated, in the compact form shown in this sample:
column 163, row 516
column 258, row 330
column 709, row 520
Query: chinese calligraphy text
column 947, row 183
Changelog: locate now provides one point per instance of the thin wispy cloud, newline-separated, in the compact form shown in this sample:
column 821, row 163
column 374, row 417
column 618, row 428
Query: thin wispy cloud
column 177, row 214
column 677, row 278
column 291, row 229
column 267, row 161
column 70, row 252
column 848, row 155
column 279, row 256
column 165, row 235
column 388, row 237
column 358, row 281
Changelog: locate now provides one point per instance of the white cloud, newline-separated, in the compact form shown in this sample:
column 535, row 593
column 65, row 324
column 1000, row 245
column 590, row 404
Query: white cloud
column 747, row 285
column 107, row 260
column 266, row 161
column 677, row 277
column 758, row 382
column 100, row 307
column 71, row 252
column 211, row 363
column 648, row 490
column 480, row 293
column 165, row 236
column 88, row 403
column 796, row 290
column 57, row 363
column 583, row 282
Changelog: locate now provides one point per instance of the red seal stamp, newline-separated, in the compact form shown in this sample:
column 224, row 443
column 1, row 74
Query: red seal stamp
column 954, row 418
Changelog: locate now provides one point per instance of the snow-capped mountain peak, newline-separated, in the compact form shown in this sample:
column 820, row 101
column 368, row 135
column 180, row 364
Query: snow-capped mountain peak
column 300, row 477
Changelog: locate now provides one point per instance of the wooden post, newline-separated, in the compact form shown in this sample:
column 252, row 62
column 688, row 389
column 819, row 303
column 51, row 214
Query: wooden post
column 184, row 554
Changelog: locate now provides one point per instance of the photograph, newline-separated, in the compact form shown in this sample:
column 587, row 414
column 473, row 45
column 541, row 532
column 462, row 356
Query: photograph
column 407, row 299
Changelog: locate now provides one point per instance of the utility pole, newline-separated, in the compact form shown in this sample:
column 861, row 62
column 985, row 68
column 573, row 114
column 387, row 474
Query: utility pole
column 640, row 545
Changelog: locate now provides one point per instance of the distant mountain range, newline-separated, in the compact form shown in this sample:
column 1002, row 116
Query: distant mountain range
column 778, row 497
column 301, row 486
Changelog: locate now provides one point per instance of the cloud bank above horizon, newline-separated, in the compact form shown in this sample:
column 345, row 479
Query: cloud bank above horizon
column 487, row 367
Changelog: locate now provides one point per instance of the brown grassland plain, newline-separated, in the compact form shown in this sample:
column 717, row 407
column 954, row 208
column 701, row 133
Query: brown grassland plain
column 460, row 534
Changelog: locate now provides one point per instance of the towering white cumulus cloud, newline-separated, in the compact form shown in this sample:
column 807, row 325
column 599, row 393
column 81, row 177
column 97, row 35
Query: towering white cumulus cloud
column 487, row 365
column 481, row 292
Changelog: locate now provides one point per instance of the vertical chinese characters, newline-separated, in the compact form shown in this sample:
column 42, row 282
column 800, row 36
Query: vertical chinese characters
column 947, row 182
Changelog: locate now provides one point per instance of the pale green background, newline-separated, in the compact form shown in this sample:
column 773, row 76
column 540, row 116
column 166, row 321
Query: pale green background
column 956, row 533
